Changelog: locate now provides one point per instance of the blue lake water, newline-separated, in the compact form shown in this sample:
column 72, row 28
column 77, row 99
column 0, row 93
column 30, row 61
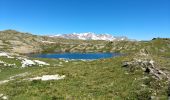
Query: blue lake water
column 86, row 56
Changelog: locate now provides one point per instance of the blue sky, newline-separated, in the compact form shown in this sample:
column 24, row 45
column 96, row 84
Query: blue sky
column 136, row 19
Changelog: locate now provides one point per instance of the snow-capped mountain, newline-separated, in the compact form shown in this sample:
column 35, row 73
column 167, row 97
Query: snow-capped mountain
column 90, row 36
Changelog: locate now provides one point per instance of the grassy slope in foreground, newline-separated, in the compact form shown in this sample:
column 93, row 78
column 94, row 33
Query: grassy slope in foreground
column 100, row 79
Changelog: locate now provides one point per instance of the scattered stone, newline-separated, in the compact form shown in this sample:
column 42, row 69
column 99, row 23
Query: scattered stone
column 3, row 97
column 4, row 81
column 41, row 62
column 125, row 64
column 2, row 62
column 24, row 61
column 4, row 54
column 48, row 77
column 146, row 77
column 143, row 85
column 66, row 61
column 6, row 64
column 49, row 42
column 151, row 62
column 27, row 62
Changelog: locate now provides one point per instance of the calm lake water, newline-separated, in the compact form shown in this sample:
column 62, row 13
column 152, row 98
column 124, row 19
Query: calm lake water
column 85, row 56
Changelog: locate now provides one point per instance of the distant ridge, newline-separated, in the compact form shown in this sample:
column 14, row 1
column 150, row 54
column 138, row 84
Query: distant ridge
column 90, row 36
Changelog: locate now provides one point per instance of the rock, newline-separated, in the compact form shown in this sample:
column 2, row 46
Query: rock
column 48, row 42
column 4, row 54
column 3, row 97
column 143, row 85
column 126, row 64
column 6, row 64
column 27, row 62
column 126, row 73
column 147, row 70
column 52, row 77
column 4, row 81
column 66, row 61
column 151, row 62
column 41, row 62
column 48, row 77
column 148, row 66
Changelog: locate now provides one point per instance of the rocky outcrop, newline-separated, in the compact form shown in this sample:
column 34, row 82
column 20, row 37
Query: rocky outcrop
column 148, row 66
column 144, row 60
column 19, row 60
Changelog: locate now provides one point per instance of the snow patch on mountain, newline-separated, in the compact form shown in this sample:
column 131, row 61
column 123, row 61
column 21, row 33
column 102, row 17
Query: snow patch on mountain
column 90, row 36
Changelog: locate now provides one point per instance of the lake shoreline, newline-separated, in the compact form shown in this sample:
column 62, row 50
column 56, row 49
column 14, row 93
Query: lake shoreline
column 76, row 56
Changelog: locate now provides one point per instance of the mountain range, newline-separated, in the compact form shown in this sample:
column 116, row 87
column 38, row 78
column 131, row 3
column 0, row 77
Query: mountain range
column 90, row 36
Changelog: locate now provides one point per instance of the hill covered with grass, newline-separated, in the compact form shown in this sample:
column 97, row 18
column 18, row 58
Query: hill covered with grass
column 141, row 73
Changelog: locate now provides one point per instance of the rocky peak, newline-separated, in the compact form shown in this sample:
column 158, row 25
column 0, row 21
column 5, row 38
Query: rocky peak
column 90, row 36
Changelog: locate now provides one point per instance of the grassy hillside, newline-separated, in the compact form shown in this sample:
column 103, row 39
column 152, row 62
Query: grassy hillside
column 14, row 41
column 100, row 79
column 143, row 73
